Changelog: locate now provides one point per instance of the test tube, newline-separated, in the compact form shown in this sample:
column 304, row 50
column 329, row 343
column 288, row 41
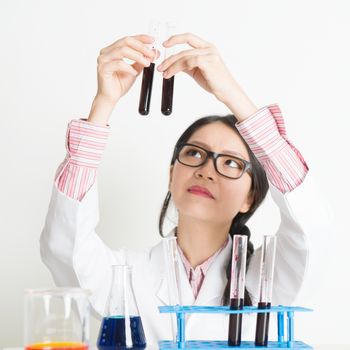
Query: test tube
column 239, row 258
column 171, row 258
column 168, row 84
column 267, row 263
column 148, row 73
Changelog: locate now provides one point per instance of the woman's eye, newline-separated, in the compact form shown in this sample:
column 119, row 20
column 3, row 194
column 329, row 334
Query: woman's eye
column 194, row 153
column 233, row 164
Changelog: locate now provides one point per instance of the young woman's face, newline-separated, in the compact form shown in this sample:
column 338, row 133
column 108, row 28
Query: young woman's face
column 229, row 196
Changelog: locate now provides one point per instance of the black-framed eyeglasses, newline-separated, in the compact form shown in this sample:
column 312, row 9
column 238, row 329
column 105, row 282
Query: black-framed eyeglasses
column 226, row 165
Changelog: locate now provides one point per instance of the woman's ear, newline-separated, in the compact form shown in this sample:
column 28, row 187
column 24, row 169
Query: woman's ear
column 170, row 175
column 247, row 203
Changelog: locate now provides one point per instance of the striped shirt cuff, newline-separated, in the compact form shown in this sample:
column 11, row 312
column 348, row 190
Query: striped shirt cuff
column 85, row 143
column 265, row 134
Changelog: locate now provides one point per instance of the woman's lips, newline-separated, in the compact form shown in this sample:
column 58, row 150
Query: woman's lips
column 200, row 191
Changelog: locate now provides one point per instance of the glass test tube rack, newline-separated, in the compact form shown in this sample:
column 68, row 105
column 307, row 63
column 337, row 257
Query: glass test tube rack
column 281, row 343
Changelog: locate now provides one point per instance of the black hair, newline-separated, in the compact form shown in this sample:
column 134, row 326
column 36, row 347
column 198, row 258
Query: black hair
column 258, row 191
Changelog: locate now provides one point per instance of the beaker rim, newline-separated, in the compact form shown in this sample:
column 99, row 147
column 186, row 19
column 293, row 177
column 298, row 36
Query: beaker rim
column 58, row 291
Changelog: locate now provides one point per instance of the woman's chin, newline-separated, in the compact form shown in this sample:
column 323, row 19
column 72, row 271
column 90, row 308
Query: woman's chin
column 199, row 212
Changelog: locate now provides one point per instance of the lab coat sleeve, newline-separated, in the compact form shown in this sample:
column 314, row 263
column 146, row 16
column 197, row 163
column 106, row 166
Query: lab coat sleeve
column 72, row 250
column 301, row 244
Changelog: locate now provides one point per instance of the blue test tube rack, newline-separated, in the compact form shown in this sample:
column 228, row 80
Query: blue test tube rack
column 283, row 342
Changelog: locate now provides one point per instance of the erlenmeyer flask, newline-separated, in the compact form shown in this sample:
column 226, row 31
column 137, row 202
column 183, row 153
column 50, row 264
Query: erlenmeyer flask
column 121, row 327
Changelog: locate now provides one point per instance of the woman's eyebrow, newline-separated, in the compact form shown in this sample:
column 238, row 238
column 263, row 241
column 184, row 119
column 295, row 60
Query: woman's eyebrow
column 224, row 151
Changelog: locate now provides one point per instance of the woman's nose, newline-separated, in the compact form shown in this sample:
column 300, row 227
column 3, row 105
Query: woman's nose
column 207, row 170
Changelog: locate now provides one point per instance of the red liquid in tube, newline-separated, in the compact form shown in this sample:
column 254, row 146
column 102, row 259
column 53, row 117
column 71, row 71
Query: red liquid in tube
column 235, row 323
column 262, row 325
column 167, row 95
column 146, row 89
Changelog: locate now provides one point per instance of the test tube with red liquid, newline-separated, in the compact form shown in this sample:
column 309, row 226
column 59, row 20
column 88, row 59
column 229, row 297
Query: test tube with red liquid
column 267, row 265
column 238, row 269
column 148, row 73
column 168, row 84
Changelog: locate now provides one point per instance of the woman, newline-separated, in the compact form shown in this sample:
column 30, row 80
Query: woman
column 220, row 172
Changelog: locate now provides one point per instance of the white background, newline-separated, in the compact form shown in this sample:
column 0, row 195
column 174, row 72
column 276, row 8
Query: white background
column 295, row 53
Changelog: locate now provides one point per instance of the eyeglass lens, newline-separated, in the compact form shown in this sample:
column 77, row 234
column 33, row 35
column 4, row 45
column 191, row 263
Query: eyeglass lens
column 226, row 165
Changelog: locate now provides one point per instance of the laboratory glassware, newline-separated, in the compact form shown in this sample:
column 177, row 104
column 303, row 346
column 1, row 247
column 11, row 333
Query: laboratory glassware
column 56, row 319
column 121, row 327
column 148, row 72
column 171, row 258
column 267, row 265
column 238, row 268
column 168, row 84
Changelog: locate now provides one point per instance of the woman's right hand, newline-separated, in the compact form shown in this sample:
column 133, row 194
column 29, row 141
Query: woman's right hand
column 115, row 77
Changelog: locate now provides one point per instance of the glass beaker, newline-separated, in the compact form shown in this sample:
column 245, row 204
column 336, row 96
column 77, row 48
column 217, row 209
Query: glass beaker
column 56, row 319
column 121, row 327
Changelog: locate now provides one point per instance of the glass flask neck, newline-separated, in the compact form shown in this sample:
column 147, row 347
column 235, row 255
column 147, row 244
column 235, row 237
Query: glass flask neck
column 121, row 301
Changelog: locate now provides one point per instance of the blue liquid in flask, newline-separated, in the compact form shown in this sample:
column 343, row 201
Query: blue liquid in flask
column 112, row 333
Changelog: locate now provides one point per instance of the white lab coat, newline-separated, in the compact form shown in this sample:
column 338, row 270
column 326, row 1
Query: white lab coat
column 76, row 256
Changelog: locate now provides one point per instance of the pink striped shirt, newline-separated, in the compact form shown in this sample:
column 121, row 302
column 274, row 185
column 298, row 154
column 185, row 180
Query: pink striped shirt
column 196, row 274
column 264, row 132
column 85, row 143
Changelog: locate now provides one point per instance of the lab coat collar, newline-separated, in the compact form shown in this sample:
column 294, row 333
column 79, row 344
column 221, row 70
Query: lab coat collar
column 214, row 282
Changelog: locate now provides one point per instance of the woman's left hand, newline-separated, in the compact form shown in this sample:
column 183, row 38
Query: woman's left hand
column 203, row 63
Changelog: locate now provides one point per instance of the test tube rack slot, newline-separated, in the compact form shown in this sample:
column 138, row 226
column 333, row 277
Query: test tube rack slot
column 284, row 341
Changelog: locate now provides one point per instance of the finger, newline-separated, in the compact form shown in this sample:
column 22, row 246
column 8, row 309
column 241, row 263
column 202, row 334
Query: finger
column 146, row 39
column 117, row 66
column 139, row 67
column 185, row 64
column 137, row 42
column 187, row 38
column 191, row 52
column 124, row 52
